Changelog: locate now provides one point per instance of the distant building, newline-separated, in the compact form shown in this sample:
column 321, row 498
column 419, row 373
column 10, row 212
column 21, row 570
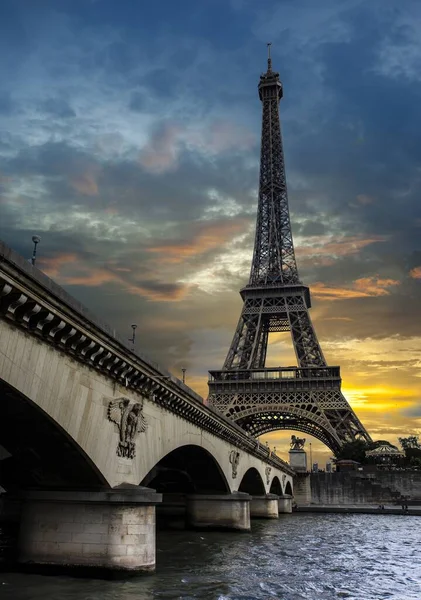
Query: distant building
column 347, row 465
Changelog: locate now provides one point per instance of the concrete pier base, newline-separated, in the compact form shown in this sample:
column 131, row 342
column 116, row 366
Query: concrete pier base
column 112, row 530
column 225, row 511
column 302, row 489
column 264, row 507
column 298, row 460
column 285, row 503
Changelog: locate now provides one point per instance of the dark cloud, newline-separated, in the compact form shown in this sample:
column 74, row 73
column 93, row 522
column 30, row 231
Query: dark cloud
column 309, row 228
column 7, row 105
column 72, row 174
column 49, row 159
column 414, row 411
column 58, row 108
column 376, row 317
column 161, row 83
column 139, row 102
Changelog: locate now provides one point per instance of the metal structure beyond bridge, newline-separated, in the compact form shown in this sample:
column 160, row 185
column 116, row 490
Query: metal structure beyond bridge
column 306, row 398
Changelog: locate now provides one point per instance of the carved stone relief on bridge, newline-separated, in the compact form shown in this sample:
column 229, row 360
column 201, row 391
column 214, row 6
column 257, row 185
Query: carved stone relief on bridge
column 130, row 421
column 234, row 460
column 267, row 471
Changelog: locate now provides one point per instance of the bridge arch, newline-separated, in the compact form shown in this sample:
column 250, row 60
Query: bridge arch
column 258, row 421
column 275, row 486
column 288, row 488
column 41, row 454
column 252, row 483
column 188, row 469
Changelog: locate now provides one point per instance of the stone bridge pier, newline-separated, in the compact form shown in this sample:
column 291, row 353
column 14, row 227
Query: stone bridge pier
column 101, row 445
column 115, row 529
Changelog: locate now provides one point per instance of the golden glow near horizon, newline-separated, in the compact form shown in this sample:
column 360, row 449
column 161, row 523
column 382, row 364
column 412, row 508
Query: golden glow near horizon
column 384, row 397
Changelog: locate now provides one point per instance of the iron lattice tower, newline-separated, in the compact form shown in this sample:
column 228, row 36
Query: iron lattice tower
column 306, row 398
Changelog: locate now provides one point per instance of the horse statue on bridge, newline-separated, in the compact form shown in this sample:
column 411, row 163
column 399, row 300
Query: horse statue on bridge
column 297, row 443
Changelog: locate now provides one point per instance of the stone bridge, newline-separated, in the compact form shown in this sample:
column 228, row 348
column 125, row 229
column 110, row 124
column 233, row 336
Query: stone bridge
column 100, row 443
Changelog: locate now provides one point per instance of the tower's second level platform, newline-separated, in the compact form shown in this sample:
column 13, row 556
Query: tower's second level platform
column 285, row 378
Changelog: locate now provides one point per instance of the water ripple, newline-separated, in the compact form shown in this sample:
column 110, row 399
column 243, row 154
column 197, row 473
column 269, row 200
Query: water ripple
column 298, row 557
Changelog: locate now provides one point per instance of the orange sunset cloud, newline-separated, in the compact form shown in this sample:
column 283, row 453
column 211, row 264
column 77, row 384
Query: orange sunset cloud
column 415, row 273
column 70, row 269
column 208, row 237
column 86, row 182
column 361, row 288
column 328, row 245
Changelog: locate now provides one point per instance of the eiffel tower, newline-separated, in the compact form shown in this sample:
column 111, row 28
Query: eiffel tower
column 305, row 398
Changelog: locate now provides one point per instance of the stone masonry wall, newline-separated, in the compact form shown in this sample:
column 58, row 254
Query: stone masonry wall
column 98, row 535
column 408, row 483
column 347, row 488
column 356, row 488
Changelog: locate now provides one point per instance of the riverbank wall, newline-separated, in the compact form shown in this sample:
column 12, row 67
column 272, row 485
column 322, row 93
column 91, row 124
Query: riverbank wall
column 361, row 509
column 357, row 488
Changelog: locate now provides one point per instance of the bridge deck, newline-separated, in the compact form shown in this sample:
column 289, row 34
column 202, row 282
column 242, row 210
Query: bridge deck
column 37, row 304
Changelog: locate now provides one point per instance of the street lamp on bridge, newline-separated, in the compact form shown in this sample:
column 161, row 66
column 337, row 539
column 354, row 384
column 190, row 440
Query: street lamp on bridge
column 36, row 239
column 133, row 338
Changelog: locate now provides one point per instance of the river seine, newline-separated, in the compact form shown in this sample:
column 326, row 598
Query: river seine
column 298, row 557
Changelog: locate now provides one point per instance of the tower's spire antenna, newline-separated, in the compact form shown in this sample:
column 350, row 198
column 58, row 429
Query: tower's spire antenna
column 269, row 58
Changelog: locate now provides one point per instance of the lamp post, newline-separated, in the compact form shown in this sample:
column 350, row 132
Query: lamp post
column 184, row 374
column 36, row 239
column 133, row 338
column 311, row 459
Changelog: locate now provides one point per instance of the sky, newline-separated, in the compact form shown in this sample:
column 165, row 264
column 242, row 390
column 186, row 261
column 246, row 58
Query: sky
column 129, row 141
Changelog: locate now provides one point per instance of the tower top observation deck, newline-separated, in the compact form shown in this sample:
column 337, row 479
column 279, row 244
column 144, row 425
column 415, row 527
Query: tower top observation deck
column 270, row 86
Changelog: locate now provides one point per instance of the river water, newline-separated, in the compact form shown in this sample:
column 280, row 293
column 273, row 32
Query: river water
column 298, row 557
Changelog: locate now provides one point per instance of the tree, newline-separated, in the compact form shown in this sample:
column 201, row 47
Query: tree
column 412, row 448
column 409, row 442
column 354, row 451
